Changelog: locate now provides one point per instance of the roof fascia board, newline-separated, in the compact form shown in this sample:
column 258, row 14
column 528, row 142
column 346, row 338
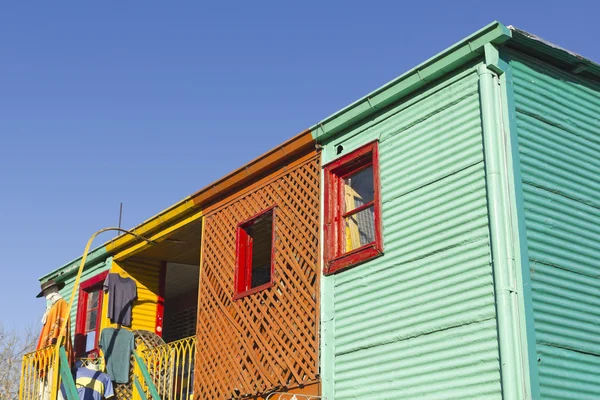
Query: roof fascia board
column 292, row 147
column 212, row 192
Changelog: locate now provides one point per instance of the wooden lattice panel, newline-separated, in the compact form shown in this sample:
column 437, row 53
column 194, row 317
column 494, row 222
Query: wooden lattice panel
column 267, row 340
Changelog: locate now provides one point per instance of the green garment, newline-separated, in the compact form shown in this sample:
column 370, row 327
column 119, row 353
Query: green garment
column 117, row 345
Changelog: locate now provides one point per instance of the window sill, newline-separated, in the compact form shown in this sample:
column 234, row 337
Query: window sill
column 254, row 290
column 355, row 257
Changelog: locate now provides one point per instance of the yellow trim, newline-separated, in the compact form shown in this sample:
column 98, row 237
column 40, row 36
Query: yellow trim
column 128, row 252
column 151, row 224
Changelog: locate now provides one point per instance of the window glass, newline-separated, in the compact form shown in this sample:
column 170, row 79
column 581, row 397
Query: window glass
column 254, row 253
column 93, row 300
column 90, row 341
column 262, row 236
column 358, row 189
column 91, row 320
column 359, row 229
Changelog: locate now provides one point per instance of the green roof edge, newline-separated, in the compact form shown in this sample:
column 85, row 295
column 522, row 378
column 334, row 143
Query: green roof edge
column 95, row 256
column 428, row 71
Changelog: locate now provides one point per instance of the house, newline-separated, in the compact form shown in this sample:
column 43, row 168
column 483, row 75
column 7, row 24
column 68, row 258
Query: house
column 466, row 264
column 436, row 239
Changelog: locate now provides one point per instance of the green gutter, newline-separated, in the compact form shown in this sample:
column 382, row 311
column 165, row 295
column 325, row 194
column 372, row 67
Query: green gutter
column 502, row 244
column 430, row 70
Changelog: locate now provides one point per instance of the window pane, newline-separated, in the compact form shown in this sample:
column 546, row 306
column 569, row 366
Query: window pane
column 91, row 320
column 93, row 300
column 90, row 341
column 358, row 189
column 262, row 241
column 359, row 229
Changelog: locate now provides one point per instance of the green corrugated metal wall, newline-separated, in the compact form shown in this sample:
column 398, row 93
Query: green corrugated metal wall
column 558, row 127
column 88, row 272
column 419, row 322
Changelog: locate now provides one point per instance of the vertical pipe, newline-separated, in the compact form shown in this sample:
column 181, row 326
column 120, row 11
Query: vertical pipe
column 531, row 388
column 503, row 262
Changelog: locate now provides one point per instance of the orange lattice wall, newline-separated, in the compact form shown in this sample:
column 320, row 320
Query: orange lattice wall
column 267, row 340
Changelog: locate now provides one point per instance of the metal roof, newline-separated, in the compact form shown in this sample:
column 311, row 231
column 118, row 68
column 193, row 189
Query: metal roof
column 554, row 54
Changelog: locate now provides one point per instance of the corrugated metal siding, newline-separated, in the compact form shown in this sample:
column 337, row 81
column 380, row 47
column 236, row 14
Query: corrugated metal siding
column 558, row 121
column 419, row 322
column 88, row 273
column 147, row 278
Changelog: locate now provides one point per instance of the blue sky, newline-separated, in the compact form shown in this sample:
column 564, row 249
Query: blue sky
column 146, row 102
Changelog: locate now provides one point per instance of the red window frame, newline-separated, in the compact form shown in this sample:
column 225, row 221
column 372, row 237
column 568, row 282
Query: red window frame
column 335, row 173
column 243, row 265
column 85, row 288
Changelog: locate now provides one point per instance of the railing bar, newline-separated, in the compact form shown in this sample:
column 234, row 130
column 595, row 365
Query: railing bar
column 146, row 376
column 22, row 379
column 176, row 366
column 190, row 381
column 179, row 370
column 66, row 377
column 31, row 378
column 138, row 386
column 166, row 363
column 26, row 382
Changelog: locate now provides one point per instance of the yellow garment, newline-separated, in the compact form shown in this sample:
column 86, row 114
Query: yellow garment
column 55, row 319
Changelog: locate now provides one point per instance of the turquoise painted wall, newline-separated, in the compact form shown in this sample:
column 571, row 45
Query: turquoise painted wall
column 558, row 127
column 420, row 321
column 98, row 261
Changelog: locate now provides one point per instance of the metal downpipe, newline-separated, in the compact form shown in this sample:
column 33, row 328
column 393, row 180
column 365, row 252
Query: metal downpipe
column 503, row 261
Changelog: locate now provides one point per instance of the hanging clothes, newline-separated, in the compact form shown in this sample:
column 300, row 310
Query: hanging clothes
column 53, row 320
column 117, row 346
column 122, row 293
column 93, row 385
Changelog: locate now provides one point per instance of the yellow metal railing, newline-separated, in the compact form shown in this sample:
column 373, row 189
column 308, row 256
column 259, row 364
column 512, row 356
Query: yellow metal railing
column 171, row 368
column 39, row 374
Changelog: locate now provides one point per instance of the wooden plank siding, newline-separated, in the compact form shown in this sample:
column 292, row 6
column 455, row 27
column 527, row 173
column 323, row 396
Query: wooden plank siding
column 268, row 340
column 146, row 277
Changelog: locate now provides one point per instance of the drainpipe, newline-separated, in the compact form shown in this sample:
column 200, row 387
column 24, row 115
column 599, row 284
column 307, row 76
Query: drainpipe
column 503, row 259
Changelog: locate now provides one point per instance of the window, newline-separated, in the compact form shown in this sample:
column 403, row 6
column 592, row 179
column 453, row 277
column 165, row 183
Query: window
column 255, row 244
column 89, row 315
column 352, row 209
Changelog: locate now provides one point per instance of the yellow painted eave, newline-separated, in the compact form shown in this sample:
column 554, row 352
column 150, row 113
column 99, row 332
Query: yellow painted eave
column 161, row 220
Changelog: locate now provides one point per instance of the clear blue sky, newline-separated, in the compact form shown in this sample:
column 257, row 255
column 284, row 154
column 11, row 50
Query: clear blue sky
column 146, row 102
